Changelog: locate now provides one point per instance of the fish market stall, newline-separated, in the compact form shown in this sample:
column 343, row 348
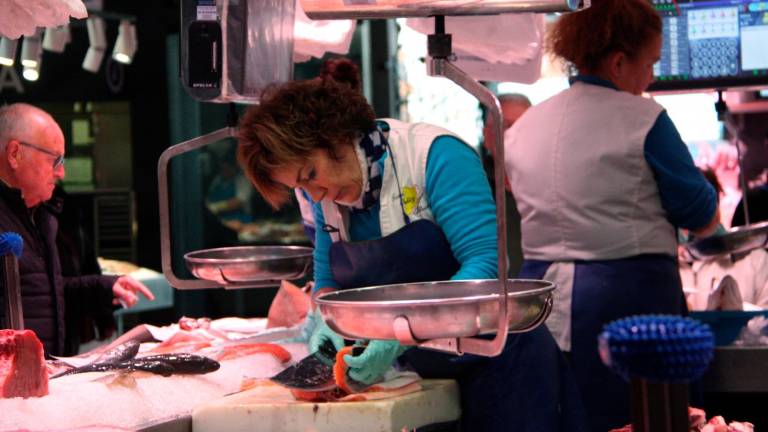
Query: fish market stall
column 130, row 397
column 156, row 378
column 120, row 388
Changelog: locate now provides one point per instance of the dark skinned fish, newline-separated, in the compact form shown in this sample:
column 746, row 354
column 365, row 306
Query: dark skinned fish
column 125, row 351
column 164, row 364
column 186, row 363
column 156, row 367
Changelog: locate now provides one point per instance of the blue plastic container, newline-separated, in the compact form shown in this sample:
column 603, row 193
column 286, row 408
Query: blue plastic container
column 726, row 325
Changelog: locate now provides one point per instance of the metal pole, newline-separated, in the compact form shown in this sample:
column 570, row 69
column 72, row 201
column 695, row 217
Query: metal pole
column 439, row 47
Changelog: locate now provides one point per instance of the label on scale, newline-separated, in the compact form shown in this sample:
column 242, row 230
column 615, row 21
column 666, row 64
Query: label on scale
column 206, row 10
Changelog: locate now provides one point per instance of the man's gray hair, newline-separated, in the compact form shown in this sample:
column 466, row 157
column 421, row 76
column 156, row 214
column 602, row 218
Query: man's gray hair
column 13, row 122
column 516, row 98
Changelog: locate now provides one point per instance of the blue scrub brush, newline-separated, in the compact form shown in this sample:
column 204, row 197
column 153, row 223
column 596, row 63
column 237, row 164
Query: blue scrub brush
column 10, row 242
column 656, row 347
column 659, row 355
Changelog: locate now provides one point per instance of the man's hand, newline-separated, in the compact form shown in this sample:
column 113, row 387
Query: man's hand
column 125, row 291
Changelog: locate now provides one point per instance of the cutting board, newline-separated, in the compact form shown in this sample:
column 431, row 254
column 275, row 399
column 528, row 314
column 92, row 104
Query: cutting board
column 271, row 408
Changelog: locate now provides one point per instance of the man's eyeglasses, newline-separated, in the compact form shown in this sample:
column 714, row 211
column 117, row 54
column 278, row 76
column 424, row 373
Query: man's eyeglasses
column 59, row 161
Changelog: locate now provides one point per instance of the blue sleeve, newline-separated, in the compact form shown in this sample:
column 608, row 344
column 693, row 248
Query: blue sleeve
column 321, row 254
column 462, row 204
column 687, row 197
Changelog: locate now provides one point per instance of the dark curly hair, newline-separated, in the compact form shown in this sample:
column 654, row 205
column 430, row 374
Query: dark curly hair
column 341, row 69
column 587, row 37
column 291, row 122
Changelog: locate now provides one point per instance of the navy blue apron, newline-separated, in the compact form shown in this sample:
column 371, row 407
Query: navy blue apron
column 417, row 252
column 526, row 388
column 604, row 291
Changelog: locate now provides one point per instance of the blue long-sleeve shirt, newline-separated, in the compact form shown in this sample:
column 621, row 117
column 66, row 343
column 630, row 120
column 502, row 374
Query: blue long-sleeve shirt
column 687, row 197
column 461, row 203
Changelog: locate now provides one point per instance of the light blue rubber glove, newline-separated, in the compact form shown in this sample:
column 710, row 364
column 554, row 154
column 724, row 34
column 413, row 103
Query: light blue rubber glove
column 370, row 366
column 322, row 333
column 720, row 230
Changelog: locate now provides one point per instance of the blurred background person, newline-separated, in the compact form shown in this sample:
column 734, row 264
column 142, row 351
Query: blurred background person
column 757, row 194
column 513, row 105
column 229, row 194
column 705, row 281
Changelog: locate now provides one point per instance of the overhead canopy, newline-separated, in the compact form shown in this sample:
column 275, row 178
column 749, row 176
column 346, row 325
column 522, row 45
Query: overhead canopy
column 23, row 17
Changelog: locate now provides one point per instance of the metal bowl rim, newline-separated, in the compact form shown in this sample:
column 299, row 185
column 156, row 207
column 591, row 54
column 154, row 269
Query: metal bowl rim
column 324, row 301
column 190, row 256
column 742, row 229
column 760, row 228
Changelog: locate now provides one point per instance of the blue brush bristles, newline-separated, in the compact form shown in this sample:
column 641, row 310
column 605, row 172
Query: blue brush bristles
column 657, row 347
column 10, row 242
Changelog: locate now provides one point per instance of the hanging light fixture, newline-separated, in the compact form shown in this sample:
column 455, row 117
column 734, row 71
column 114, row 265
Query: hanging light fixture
column 8, row 51
column 126, row 43
column 98, row 44
column 32, row 50
column 32, row 73
column 56, row 38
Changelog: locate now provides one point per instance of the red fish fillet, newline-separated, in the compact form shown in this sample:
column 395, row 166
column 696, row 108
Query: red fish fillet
column 243, row 350
column 289, row 307
column 22, row 366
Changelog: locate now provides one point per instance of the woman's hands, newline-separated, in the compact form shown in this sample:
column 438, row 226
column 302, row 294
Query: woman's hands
column 370, row 366
column 322, row 333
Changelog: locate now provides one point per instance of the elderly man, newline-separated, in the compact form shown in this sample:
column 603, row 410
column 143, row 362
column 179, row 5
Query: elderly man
column 31, row 162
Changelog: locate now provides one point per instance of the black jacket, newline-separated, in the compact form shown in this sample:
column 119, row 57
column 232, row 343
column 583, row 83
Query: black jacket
column 44, row 292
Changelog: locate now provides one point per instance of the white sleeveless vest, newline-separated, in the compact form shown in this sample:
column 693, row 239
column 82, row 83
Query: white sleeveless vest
column 403, row 188
column 587, row 192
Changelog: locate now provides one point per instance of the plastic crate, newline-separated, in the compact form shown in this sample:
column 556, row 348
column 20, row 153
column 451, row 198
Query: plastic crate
column 726, row 325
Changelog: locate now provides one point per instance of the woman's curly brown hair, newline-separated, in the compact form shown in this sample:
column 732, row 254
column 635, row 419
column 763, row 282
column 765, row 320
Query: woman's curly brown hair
column 291, row 122
column 587, row 37
column 342, row 70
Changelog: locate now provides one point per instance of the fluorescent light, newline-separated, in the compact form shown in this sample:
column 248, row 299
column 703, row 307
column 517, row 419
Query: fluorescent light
column 56, row 38
column 31, row 50
column 31, row 73
column 8, row 51
column 98, row 41
column 125, row 45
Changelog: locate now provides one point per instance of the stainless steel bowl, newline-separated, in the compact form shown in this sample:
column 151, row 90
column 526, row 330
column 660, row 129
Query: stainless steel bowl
column 739, row 239
column 249, row 263
column 435, row 309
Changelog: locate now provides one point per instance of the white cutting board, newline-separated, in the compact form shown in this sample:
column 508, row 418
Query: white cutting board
column 272, row 409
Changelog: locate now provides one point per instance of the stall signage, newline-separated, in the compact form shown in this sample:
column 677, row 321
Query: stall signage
column 9, row 79
column 206, row 10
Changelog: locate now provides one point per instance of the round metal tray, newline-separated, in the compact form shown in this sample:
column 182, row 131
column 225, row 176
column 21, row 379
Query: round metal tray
column 435, row 309
column 249, row 263
column 739, row 239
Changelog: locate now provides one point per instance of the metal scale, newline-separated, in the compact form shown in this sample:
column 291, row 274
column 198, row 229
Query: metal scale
column 444, row 315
